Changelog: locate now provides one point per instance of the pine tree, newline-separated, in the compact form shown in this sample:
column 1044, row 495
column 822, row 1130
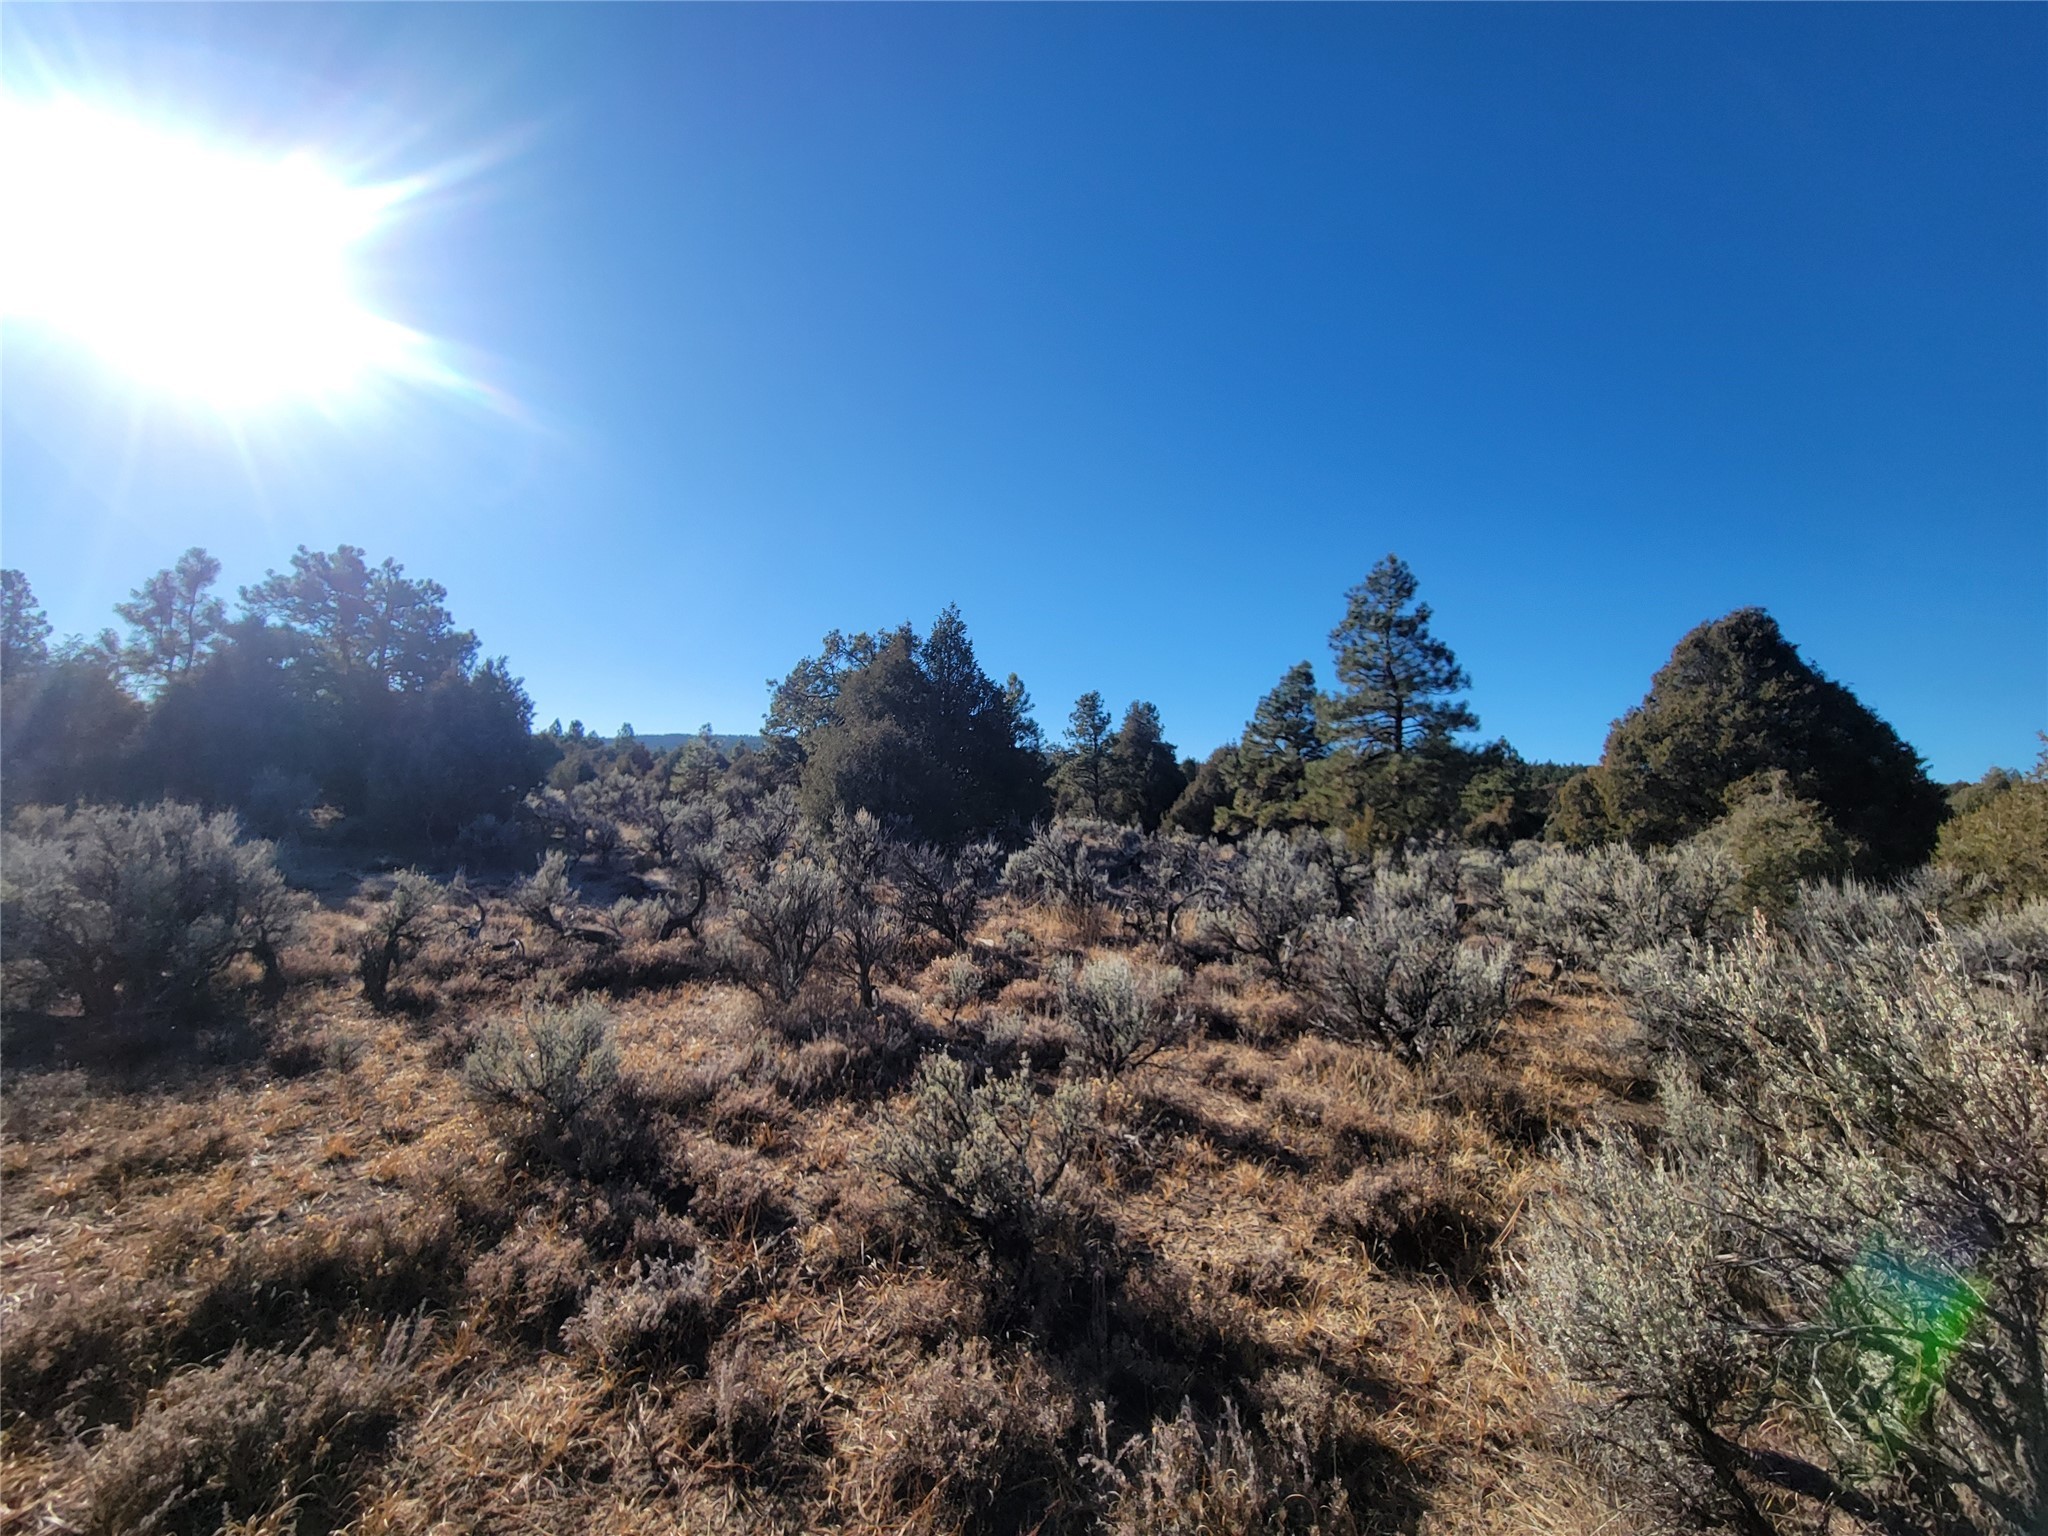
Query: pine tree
column 172, row 621
column 24, row 631
column 1272, row 760
column 1145, row 777
column 1083, row 779
column 1397, row 677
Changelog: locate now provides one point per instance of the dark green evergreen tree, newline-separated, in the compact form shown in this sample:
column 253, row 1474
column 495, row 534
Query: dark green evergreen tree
column 1735, row 702
column 173, row 621
column 362, row 626
column 1271, row 766
column 1082, row 781
column 1145, row 777
column 909, row 729
column 24, row 631
column 1207, row 798
column 1397, row 679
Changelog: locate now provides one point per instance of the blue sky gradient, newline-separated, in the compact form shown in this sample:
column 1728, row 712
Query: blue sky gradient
column 1141, row 333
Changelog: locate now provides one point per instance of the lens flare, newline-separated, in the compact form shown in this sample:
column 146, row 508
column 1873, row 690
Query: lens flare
column 215, row 276
column 1896, row 1322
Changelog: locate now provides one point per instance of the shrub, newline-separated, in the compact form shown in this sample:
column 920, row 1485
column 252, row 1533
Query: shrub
column 1121, row 1014
column 975, row 1436
column 279, row 803
column 661, row 1316
column 689, row 843
column 1172, row 874
column 756, row 842
column 1588, row 910
column 1399, row 975
column 396, row 932
column 984, row 1162
column 942, row 892
column 2003, row 840
column 1828, row 1284
column 1187, row 1476
column 870, row 931
column 2007, row 946
column 1737, row 702
column 554, row 1066
column 1071, row 863
column 785, row 921
column 960, row 982
column 542, row 894
column 255, row 1435
column 1777, row 841
column 137, row 908
column 493, row 842
column 1420, row 1215
column 1271, row 890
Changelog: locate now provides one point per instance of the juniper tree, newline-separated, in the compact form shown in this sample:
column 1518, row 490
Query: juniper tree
column 1736, row 701
column 912, row 729
column 1397, row 677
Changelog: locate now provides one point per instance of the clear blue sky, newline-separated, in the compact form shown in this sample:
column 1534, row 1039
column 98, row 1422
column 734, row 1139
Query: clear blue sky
column 1140, row 332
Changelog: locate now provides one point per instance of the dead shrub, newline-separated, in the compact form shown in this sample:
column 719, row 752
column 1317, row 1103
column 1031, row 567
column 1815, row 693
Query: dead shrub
column 531, row 1282
column 258, row 1434
column 1012, row 1042
column 280, row 1289
column 766, row 1423
column 1517, row 1108
column 86, row 1355
column 975, row 1439
column 745, row 1113
column 659, row 1317
column 1028, row 994
column 1186, row 1476
column 737, row 1193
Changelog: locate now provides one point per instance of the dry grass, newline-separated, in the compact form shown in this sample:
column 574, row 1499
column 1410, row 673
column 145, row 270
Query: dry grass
column 1274, row 1305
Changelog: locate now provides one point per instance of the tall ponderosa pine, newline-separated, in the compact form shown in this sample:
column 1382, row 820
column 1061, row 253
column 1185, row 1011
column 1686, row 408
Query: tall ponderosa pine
column 1735, row 703
column 363, row 625
column 1082, row 783
column 1397, row 677
column 1272, row 760
column 173, row 620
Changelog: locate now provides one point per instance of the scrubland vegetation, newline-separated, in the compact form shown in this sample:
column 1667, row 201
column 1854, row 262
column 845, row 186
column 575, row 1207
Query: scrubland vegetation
column 912, row 1125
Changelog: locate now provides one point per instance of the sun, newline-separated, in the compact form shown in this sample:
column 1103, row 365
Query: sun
column 219, row 277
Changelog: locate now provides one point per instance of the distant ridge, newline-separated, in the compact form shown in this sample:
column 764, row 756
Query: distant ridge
column 673, row 739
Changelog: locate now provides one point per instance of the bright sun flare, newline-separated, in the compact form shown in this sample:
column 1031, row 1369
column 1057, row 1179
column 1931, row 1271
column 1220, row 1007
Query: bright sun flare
column 217, row 277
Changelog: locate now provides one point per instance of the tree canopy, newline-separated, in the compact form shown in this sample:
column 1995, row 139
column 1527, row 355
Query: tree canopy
column 345, row 679
column 1397, row 678
column 911, row 729
column 1272, row 761
column 173, row 620
column 1736, row 703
